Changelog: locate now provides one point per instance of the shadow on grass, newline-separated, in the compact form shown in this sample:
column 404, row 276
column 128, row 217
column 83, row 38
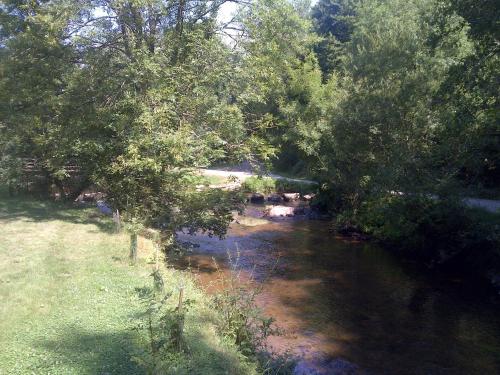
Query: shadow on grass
column 38, row 210
column 83, row 352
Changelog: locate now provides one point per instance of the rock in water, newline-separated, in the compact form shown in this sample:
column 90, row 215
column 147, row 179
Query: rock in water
column 291, row 196
column 257, row 198
column 275, row 198
column 277, row 211
column 309, row 197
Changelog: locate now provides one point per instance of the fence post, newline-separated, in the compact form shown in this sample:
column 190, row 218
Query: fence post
column 133, row 247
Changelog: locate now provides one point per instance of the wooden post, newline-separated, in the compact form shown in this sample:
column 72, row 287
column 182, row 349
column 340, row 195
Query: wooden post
column 133, row 247
column 117, row 220
column 181, row 295
column 156, row 246
column 180, row 321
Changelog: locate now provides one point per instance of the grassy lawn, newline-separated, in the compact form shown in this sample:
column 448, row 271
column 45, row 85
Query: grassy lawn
column 68, row 299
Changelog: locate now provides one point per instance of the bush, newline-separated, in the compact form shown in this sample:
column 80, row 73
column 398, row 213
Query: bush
column 433, row 230
column 242, row 321
column 266, row 185
column 259, row 184
column 287, row 186
column 177, row 333
column 163, row 325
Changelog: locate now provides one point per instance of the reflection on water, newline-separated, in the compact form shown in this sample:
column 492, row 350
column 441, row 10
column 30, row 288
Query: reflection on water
column 335, row 299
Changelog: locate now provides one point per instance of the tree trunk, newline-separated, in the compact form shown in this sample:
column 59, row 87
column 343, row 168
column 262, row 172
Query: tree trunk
column 117, row 220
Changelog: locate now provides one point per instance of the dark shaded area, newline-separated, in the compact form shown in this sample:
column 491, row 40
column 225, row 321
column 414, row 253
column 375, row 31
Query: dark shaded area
column 356, row 301
column 93, row 354
column 34, row 210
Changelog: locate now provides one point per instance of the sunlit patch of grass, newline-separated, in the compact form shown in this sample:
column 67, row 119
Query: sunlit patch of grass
column 69, row 298
column 215, row 180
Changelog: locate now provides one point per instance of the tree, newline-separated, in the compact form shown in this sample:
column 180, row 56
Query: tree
column 470, row 96
column 385, row 131
column 34, row 66
column 276, row 48
column 137, row 92
column 333, row 21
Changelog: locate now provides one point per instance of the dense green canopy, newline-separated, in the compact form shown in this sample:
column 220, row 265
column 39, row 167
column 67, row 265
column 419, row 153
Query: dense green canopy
column 368, row 96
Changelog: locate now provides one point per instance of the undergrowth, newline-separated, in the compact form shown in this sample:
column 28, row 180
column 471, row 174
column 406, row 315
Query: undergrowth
column 266, row 185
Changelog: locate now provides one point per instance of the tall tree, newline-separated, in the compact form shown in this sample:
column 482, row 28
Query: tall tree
column 137, row 92
column 470, row 95
column 333, row 21
column 276, row 53
column 385, row 131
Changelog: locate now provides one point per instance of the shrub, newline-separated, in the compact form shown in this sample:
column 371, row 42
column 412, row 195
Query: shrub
column 438, row 231
column 287, row 186
column 242, row 321
column 266, row 185
column 163, row 325
column 259, row 184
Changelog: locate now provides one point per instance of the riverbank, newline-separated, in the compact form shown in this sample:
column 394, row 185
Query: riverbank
column 443, row 235
column 70, row 301
column 220, row 177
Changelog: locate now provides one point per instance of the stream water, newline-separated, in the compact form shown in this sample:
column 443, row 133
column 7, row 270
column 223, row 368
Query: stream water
column 336, row 299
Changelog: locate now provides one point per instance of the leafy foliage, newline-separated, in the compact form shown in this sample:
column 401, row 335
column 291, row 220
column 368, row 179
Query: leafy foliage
column 438, row 232
column 333, row 21
column 164, row 327
column 242, row 320
column 137, row 93
column 268, row 185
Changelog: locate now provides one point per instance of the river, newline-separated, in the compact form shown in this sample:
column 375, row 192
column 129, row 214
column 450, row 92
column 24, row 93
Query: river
column 340, row 299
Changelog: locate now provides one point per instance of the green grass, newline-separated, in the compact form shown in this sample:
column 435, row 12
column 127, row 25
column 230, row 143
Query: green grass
column 268, row 185
column 69, row 301
column 214, row 180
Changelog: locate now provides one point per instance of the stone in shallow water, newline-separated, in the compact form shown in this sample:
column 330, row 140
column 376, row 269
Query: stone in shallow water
column 291, row 196
column 275, row 198
column 277, row 211
column 337, row 366
column 309, row 197
column 251, row 221
column 257, row 198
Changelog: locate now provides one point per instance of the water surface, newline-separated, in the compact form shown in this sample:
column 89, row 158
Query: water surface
column 341, row 299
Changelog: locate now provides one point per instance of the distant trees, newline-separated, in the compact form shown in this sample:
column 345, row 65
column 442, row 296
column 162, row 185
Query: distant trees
column 406, row 103
column 471, row 94
column 333, row 21
column 409, row 122
column 386, row 132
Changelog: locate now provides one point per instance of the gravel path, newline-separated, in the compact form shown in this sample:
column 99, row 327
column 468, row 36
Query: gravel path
column 242, row 176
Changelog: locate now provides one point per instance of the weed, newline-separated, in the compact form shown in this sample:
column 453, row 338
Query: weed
column 242, row 321
column 163, row 325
